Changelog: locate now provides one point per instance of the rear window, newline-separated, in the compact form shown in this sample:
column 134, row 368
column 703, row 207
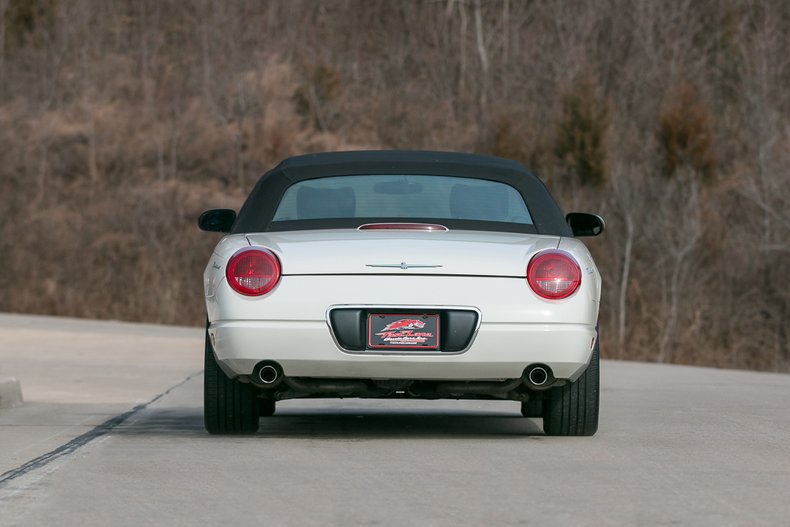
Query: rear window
column 403, row 196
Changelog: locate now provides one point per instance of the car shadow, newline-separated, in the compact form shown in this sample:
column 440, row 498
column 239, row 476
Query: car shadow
column 346, row 424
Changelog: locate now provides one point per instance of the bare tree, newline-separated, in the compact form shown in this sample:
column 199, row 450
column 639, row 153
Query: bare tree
column 624, row 194
column 3, row 9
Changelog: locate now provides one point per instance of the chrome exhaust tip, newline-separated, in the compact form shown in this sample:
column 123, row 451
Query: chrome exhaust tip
column 267, row 374
column 538, row 376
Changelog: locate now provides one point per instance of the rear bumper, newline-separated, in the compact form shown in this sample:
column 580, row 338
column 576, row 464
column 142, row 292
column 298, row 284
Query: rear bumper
column 307, row 349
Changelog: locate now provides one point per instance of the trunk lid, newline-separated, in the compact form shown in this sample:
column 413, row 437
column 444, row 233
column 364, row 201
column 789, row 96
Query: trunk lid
column 349, row 251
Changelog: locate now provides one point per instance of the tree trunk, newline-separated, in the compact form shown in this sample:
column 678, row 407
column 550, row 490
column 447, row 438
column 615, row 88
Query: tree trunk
column 3, row 8
column 481, row 51
column 624, row 277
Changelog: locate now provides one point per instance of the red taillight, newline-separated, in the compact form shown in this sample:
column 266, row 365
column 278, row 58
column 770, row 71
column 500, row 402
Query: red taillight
column 253, row 271
column 553, row 274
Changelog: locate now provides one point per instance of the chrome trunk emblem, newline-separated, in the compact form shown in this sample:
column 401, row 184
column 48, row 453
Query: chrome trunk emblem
column 404, row 265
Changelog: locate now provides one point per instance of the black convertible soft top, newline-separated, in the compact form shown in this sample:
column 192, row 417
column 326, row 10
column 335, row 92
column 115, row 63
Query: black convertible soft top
column 257, row 213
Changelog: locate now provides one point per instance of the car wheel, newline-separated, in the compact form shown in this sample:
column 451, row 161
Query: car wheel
column 534, row 406
column 572, row 409
column 229, row 406
column 266, row 407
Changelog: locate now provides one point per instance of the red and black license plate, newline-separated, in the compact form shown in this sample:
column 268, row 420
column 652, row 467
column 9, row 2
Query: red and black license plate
column 403, row 331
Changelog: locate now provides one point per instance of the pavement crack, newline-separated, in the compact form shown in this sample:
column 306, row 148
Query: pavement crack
column 82, row 440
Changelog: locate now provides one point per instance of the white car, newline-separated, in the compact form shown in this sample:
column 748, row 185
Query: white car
column 395, row 274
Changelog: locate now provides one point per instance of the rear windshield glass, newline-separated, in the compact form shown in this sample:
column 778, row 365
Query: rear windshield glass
column 403, row 196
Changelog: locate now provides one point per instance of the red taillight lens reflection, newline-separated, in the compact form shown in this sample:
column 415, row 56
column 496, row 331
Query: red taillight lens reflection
column 554, row 274
column 253, row 271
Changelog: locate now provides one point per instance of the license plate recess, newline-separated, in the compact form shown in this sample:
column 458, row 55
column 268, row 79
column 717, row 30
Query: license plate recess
column 403, row 331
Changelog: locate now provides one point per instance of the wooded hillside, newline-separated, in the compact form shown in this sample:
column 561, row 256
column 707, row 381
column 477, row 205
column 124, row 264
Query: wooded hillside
column 121, row 120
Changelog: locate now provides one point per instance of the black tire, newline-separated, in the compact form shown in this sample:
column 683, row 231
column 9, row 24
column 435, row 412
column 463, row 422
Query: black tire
column 572, row 410
column 266, row 407
column 534, row 406
column 229, row 406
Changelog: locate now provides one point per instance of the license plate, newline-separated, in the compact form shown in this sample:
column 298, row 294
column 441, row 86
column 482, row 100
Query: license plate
column 403, row 332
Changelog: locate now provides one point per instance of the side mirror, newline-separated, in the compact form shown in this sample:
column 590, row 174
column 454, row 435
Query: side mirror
column 584, row 224
column 217, row 220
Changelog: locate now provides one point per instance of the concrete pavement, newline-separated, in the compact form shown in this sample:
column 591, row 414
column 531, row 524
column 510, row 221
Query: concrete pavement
column 79, row 373
column 677, row 445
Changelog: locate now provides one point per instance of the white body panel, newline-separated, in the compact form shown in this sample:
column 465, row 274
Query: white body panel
column 327, row 268
column 351, row 251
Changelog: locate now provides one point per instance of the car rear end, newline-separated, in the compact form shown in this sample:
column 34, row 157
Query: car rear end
column 401, row 275
column 491, row 321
